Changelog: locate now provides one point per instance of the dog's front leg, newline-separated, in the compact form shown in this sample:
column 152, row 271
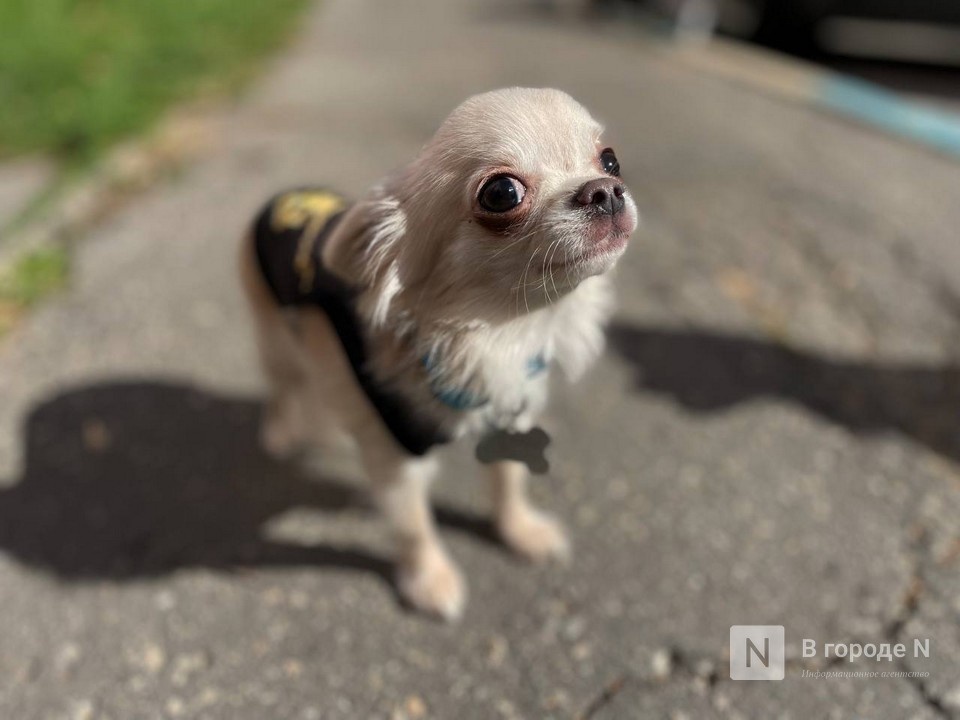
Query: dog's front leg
column 426, row 576
column 527, row 530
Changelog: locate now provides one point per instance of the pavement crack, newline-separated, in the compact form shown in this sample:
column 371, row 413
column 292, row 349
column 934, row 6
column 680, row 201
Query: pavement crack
column 605, row 697
column 682, row 666
column 703, row 669
column 934, row 703
column 919, row 547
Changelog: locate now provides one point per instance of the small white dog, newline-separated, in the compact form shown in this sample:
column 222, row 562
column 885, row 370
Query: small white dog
column 434, row 307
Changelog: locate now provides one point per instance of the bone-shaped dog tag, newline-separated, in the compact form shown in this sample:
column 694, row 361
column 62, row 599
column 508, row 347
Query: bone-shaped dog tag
column 526, row 447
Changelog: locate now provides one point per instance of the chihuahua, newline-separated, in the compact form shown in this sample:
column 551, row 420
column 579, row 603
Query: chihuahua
column 435, row 307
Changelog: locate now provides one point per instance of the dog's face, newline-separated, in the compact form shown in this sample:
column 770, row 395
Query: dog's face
column 529, row 197
column 514, row 202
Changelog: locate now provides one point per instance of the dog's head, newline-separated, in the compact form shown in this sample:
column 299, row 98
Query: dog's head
column 513, row 203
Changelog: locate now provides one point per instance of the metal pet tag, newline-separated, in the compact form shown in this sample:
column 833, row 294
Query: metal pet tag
column 526, row 447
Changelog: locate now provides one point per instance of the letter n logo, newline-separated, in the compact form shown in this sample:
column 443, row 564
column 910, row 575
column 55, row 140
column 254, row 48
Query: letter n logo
column 756, row 652
column 764, row 657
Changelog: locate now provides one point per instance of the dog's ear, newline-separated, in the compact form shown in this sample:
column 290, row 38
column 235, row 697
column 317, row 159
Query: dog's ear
column 364, row 251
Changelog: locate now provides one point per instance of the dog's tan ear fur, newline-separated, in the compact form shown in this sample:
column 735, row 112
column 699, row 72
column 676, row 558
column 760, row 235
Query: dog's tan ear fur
column 364, row 251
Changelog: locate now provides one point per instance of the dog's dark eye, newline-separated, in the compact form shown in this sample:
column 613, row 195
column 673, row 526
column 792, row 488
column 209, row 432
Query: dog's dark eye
column 501, row 193
column 609, row 162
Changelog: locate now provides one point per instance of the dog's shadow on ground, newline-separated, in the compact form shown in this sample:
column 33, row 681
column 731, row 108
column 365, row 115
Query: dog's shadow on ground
column 139, row 479
column 708, row 372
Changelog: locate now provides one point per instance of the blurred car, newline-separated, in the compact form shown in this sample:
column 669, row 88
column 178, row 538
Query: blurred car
column 925, row 31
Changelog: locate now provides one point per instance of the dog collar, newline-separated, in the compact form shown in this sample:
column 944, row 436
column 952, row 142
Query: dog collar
column 463, row 398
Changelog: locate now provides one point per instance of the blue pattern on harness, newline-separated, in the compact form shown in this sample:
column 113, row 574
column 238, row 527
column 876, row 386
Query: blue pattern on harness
column 464, row 398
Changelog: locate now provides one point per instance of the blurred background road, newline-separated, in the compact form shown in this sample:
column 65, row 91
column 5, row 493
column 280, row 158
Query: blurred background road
column 771, row 439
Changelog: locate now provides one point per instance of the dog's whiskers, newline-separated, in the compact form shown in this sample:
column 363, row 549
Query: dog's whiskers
column 543, row 270
column 523, row 281
column 507, row 246
column 553, row 280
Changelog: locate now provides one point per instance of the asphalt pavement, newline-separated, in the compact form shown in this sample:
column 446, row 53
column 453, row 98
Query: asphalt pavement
column 771, row 438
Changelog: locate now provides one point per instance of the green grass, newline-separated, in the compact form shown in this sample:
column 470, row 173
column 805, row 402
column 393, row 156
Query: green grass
column 29, row 280
column 77, row 75
column 33, row 276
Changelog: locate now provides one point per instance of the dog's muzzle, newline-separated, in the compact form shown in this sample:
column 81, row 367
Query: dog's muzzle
column 603, row 196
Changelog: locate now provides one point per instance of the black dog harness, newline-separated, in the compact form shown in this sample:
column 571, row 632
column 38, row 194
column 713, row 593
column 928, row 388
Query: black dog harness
column 290, row 234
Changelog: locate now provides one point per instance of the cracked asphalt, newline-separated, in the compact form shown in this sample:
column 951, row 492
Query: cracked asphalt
column 772, row 437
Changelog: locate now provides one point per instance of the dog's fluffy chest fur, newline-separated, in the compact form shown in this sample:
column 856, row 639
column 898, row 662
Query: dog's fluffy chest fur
column 493, row 363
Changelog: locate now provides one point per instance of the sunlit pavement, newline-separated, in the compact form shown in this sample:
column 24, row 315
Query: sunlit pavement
column 771, row 438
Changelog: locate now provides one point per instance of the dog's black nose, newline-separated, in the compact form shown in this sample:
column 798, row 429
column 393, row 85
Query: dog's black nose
column 605, row 195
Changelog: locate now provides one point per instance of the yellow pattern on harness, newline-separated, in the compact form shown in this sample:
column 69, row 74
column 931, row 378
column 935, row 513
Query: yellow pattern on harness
column 307, row 211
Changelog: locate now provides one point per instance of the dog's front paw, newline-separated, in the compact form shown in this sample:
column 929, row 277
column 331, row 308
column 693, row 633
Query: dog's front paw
column 431, row 583
column 535, row 535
